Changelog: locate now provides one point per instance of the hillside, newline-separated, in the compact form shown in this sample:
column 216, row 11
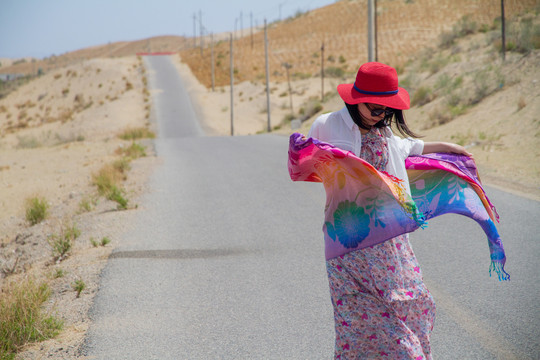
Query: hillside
column 467, row 94
column 111, row 50
column 61, row 140
column 404, row 28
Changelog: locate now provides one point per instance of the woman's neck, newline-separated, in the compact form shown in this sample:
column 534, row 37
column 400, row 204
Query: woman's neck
column 363, row 131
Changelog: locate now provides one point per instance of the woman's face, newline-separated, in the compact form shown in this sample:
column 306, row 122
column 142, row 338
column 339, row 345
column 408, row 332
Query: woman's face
column 366, row 109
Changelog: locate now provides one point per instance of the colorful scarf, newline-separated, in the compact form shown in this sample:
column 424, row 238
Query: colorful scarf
column 365, row 207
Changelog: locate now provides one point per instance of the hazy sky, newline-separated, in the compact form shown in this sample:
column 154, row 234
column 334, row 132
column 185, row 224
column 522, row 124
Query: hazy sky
column 41, row 28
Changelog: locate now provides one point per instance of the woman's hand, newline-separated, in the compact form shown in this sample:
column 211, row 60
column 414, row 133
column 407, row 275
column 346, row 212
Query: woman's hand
column 433, row 147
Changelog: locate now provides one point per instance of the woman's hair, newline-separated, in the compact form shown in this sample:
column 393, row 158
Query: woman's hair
column 398, row 116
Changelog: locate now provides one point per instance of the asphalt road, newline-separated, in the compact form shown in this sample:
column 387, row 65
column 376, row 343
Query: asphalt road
column 225, row 259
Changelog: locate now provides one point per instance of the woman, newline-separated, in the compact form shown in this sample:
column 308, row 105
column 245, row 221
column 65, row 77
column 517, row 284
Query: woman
column 382, row 308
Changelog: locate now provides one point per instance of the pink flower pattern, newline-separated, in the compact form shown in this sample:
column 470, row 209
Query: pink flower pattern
column 382, row 309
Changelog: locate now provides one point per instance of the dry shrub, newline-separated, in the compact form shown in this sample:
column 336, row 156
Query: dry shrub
column 137, row 133
column 22, row 115
column 106, row 178
column 22, row 318
column 62, row 243
column 65, row 116
column 439, row 116
column 36, row 209
column 521, row 103
column 133, row 151
column 422, row 96
column 312, row 107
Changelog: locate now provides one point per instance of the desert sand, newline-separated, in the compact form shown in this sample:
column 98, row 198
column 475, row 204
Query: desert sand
column 57, row 131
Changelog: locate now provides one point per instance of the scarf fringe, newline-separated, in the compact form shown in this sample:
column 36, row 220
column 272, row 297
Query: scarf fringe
column 498, row 267
column 419, row 218
column 406, row 202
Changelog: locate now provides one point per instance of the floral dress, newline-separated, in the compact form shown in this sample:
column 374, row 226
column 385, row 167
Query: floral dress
column 382, row 309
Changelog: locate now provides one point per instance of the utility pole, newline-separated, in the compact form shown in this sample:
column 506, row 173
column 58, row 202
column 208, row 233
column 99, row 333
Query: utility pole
column 322, row 71
column 251, row 27
column 503, row 32
column 375, row 31
column 201, row 31
column 371, row 31
column 267, row 76
column 194, row 30
column 212, row 58
column 241, row 25
column 287, row 66
column 232, row 86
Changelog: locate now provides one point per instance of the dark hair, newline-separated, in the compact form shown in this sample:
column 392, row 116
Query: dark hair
column 397, row 116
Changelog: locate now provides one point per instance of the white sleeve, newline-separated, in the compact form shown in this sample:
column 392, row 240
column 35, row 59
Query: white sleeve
column 416, row 146
column 399, row 150
column 410, row 146
column 314, row 131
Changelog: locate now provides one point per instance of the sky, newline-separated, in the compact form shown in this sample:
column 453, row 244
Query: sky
column 41, row 28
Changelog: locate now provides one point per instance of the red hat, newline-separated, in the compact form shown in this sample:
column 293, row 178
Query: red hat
column 375, row 83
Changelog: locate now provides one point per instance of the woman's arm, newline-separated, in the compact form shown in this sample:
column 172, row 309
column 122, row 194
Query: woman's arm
column 433, row 147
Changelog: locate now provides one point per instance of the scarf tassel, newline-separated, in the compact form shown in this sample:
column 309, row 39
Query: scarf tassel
column 498, row 267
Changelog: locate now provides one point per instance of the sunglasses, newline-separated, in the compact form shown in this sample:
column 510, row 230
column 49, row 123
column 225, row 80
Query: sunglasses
column 378, row 112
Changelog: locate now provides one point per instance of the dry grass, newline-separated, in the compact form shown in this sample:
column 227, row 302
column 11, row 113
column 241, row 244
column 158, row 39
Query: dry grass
column 62, row 243
column 137, row 133
column 404, row 29
column 134, row 151
column 108, row 177
column 22, row 318
column 108, row 180
column 36, row 209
